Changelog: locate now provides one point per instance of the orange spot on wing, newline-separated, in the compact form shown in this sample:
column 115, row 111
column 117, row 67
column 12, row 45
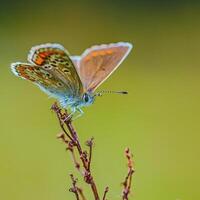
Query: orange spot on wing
column 87, row 58
column 39, row 60
column 44, row 54
column 26, row 76
column 99, row 53
column 94, row 54
column 102, row 53
column 23, row 73
column 109, row 51
column 20, row 68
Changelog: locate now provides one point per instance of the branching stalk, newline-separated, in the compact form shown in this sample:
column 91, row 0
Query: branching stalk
column 83, row 164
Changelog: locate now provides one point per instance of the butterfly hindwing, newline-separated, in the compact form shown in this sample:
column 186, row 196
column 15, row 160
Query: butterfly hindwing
column 98, row 62
column 41, row 77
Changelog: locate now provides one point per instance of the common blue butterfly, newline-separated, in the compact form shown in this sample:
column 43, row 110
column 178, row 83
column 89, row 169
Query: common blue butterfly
column 72, row 80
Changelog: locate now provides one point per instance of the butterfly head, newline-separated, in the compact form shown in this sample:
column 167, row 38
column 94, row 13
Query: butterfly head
column 87, row 99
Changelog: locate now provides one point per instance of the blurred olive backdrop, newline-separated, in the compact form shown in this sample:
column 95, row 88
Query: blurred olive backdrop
column 158, row 120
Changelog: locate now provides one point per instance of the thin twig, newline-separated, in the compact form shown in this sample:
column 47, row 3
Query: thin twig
column 76, row 163
column 105, row 192
column 63, row 138
column 74, row 188
column 70, row 148
column 64, row 119
column 72, row 142
column 73, row 134
column 57, row 110
column 128, row 179
column 80, row 191
column 89, row 143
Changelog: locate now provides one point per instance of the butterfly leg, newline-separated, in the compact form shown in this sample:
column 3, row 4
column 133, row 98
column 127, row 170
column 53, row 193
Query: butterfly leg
column 79, row 115
column 70, row 115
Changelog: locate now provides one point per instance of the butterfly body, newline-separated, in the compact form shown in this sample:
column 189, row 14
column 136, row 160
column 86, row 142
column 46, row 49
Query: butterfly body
column 77, row 102
column 72, row 80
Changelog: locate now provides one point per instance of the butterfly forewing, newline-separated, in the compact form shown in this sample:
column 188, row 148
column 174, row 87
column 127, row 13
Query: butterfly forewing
column 98, row 62
column 42, row 78
column 76, row 61
column 54, row 58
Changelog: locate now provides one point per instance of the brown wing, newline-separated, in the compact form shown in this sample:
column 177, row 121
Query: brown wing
column 99, row 62
column 76, row 61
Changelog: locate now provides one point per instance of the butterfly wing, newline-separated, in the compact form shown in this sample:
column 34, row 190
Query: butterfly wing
column 76, row 61
column 55, row 59
column 47, row 82
column 99, row 62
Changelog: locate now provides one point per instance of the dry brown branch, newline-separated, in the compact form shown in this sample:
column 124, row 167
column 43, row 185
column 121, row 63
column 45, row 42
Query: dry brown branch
column 74, row 142
column 83, row 163
column 74, row 188
column 105, row 192
column 128, row 179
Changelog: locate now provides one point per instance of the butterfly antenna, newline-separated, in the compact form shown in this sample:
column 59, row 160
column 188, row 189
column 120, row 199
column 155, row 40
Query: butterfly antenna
column 110, row 92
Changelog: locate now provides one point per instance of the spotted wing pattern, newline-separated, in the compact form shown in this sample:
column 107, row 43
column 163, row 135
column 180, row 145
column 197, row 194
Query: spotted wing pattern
column 99, row 62
column 54, row 58
column 49, row 83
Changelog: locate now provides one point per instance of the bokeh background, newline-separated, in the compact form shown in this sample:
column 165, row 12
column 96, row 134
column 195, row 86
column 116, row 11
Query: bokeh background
column 158, row 120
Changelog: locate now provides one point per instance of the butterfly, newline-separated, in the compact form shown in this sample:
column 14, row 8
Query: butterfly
column 72, row 80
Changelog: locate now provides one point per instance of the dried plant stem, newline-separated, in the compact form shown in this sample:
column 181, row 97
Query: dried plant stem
column 89, row 143
column 105, row 192
column 76, row 163
column 74, row 142
column 80, row 191
column 74, row 189
column 128, row 179
column 71, row 140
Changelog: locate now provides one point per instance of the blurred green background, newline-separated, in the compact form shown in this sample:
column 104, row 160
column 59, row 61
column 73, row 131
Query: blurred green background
column 158, row 120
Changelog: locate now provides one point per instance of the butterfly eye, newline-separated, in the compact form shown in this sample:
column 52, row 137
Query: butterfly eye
column 86, row 97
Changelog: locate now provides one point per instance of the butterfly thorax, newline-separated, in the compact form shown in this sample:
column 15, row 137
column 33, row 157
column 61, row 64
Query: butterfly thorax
column 77, row 101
